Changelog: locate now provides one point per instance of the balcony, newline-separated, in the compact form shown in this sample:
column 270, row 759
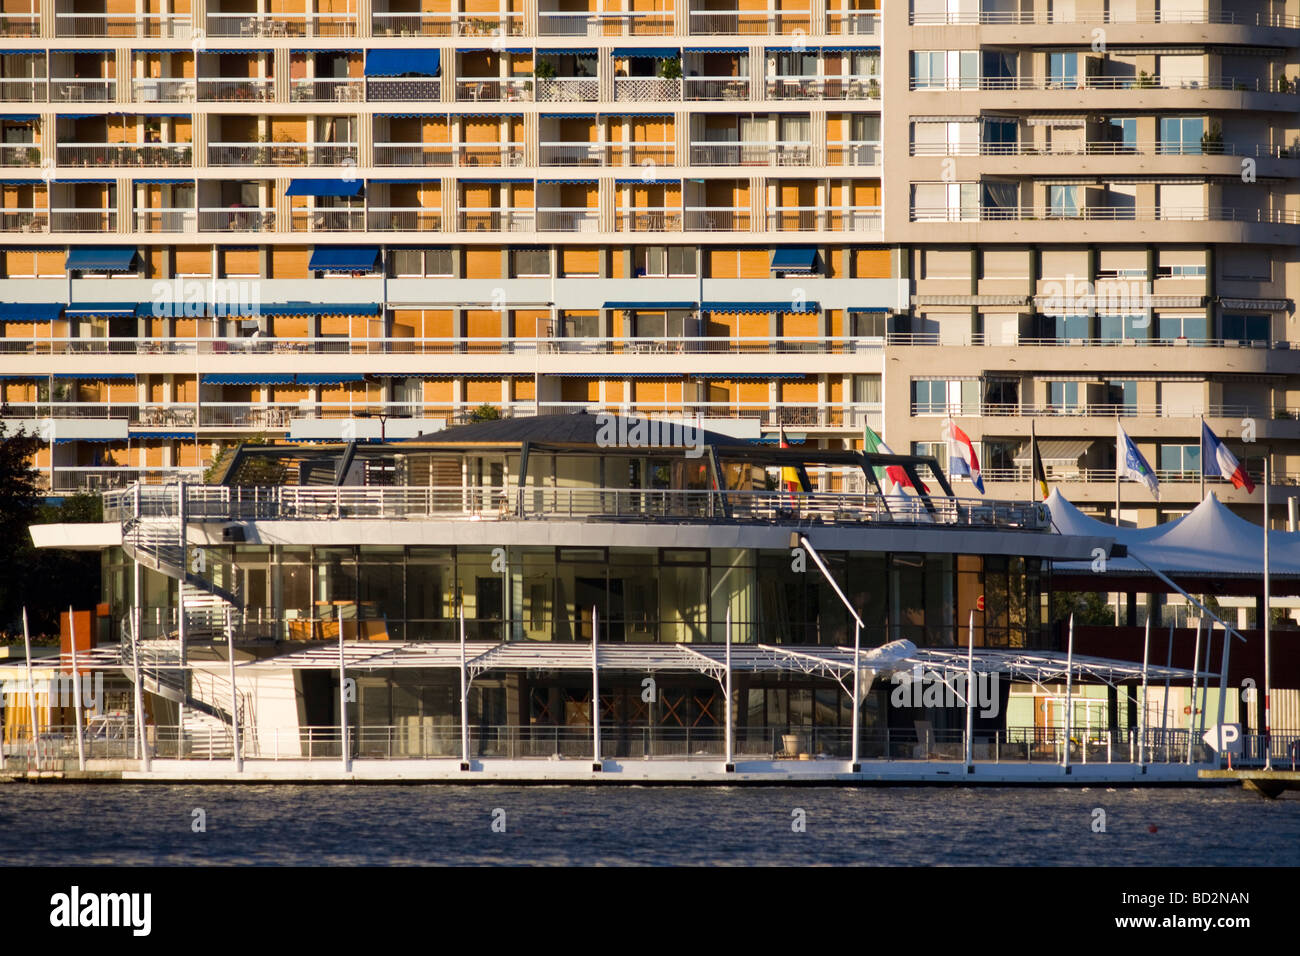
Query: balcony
column 447, row 24
column 282, row 25
column 496, row 220
column 827, row 88
column 607, row 154
column 25, row 220
column 749, row 22
column 751, row 154
column 449, row 154
column 1073, row 148
column 342, row 219
column 83, row 220
column 1050, row 17
column 20, row 154
column 166, row 220
column 282, row 154
column 168, row 26
column 568, row 89
column 403, row 219
column 854, row 23
column 717, row 219
column 561, row 219
column 24, row 90
column 853, row 153
column 646, row 89
column 390, row 88
column 20, row 24
column 605, row 23
column 649, row 219
column 237, row 219
column 68, row 479
column 1143, row 82
column 71, row 90
column 1095, row 410
column 823, row 219
column 345, row 90
column 124, row 154
column 248, row 90
column 163, row 89
column 716, row 88
column 1107, row 214
column 493, row 90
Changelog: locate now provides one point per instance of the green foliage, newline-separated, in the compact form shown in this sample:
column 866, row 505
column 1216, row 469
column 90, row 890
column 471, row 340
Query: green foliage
column 485, row 413
column 671, row 69
column 1088, row 607
column 545, row 70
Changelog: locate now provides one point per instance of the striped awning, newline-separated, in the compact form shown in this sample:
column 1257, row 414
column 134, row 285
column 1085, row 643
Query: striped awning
column 1054, row 451
column 1257, row 305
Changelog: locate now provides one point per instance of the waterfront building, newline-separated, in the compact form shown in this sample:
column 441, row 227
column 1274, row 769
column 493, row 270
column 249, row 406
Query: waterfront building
column 225, row 219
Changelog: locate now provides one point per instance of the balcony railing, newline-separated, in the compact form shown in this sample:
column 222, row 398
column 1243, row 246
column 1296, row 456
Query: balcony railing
column 248, row 90
column 64, row 90
column 749, row 22
column 1244, row 84
column 282, row 25
column 1089, row 410
column 750, row 153
column 496, row 220
column 568, row 89
column 282, row 154
column 1069, row 148
column 170, row 26
column 328, row 220
column 606, row 23
column 828, row 88
column 559, row 219
column 24, row 90
column 83, row 220
column 648, row 219
column 72, row 478
column 1030, row 341
column 486, row 24
column 20, row 154
column 860, row 153
column 716, row 88
column 124, row 154
column 449, row 154
column 647, row 89
column 822, row 219
column 606, row 154
column 328, row 91
column 166, row 89
column 717, row 219
column 25, row 220
column 493, row 90
column 20, row 24
column 1107, row 214
column 1048, row 17
column 857, row 23
column 237, row 219
column 166, row 220
column 403, row 219
column 419, row 88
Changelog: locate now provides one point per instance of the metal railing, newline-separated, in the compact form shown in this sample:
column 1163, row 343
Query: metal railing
column 820, row 219
column 1049, row 17
column 237, row 219
column 490, row 89
column 20, row 154
column 344, row 90
column 1068, row 148
column 1091, row 409
column 716, row 88
column 282, row 25
column 124, row 154
column 496, row 220
column 166, row 220
column 172, row 26
column 647, row 89
column 166, row 89
column 70, row 90
column 282, row 154
column 449, row 154
column 575, row 219
column 1105, row 214
column 823, row 88
column 860, row 23
column 606, row 154
column 429, row 24
column 751, row 153
column 749, row 22
column 403, row 219
column 350, row 219
column 568, row 89
column 1142, row 82
column 250, row 89
column 604, row 23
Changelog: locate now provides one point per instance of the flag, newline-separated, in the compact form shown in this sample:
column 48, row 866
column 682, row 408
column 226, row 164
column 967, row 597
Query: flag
column 790, row 476
column 892, row 478
column 1040, row 475
column 962, row 460
column 1217, row 461
column 1132, row 465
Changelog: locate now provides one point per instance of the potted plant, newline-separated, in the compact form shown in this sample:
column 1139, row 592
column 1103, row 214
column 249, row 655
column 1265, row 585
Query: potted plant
column 873, row 89
column 1212, row 141
column 671, row 69
column 1144, row 81
column 545, row 70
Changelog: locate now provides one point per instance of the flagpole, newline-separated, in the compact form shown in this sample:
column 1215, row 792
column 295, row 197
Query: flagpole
column 1117, row 470
column 1033, row 459
column 1202, row 440
column 1268, row 632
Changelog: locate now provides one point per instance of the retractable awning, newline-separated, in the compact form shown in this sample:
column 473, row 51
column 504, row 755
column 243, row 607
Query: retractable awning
column 30, row 311
column 324, row 187
column 270, row 379
column 104, row 310
column 319, row 308
column 344, row 259
column 794, row 258
column 1053, row 452
column 646, row 52
column 655, row 306
column 102, row 258
column 418, row 62
column 759, row 307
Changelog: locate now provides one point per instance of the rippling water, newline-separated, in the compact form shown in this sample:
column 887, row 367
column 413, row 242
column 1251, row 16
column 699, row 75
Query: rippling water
column 402, row 825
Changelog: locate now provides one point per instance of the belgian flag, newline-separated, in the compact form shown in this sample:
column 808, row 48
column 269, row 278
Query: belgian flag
column 1040, row 476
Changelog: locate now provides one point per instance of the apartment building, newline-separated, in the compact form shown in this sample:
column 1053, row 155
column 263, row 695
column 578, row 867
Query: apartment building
column 325, row 219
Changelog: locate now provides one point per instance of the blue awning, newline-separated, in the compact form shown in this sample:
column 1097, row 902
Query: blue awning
column 181, row 436
column 566, row 182
column 745, row 376
column 344, row 259
column 402, row 62
column 411, row 115
column 163, row 182
column 759, row 307
column 717, row 49
column 328, row 379
column 657, row 306
column 20, row 117
column 794, row 258
column 112, row 310
column 869, row 308
column 273, row 379
column 582, row 51
column 324, row 187
column 95, row 376
column 318, row 308
column 850, row 48
column 652, row 52
column 102, row 258
column 30, row 311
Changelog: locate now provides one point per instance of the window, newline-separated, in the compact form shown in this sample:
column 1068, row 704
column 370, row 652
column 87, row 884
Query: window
column 1183, row 458
column 871, row 325
column 660, row 261
column 1181, row 135
column 1181, row 327
column 945, row 202
column 1064, row 201
column 1248, row 328
column 1000, row 136
column 439, row 262
column 866, row 389
column 865, row 64
column 418, row 263
column 1121, row 395
column 945, row 69
column 1123, row 135
column 958, row 138
column 1063, row 396
column 796, row 64
column 945, row 397
column 934, row 449
column 1003, row 394
column 1064, row 328
column 1245, row 264
column 532, row 262
column 1114, row 328
column 1063, row 70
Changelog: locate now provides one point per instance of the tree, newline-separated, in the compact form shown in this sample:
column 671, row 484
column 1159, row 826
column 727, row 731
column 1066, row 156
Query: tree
column 1088, row 607
column 20, row 497
column 485, row 413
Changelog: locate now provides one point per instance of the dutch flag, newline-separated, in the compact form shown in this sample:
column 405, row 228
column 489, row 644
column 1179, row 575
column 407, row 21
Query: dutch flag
column 962, row 460
column 1216, row 460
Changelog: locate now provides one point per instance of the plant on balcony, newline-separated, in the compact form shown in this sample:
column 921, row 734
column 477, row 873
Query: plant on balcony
column 1282, row 414
column 485, row 413
column 33, row 156
column 1283, row 84
column 671, row 69
column 1212, row 141
column 545, row 70
column 873, row 89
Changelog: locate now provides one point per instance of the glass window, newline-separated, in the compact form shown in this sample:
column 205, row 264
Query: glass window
column 1063, row 69
column 1062, row 396
column 1124, row 134
column 1249, row 328
column 1181, row 134
column 1184, row 458
column 532, row 262
column 1116, row 327
column 1181, row 327
column 1064, row 201
column 439, row 262
column 681, row 260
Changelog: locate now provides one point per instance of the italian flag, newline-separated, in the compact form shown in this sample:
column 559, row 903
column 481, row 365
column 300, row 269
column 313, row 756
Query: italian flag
column 893, row 479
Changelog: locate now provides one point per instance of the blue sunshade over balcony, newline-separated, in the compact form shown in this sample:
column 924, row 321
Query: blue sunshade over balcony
column 794, row 258
column 344, row 259
column 759, row 307
column 646, row 52
column 30, row 311
column 102, row 258
column 336, row 188
column 403, row 62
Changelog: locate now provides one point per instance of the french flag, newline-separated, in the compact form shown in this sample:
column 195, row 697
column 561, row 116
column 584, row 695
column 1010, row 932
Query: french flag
column 962, row 460
column 1216, row 460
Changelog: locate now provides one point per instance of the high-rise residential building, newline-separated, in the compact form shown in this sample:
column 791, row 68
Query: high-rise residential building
column 337, row 219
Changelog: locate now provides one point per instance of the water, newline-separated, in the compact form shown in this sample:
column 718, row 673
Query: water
column 402, row 825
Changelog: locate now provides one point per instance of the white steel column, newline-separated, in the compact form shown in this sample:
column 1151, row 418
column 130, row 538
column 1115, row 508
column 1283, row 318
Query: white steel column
column 142, row 749
column 344, row 750
column 970, row 683
column 1142, row 713
column 1196, row 666
column 1268, row 633
column 76, row 690
column 464, row 698
column 1069, row 687
column 727, row 702
column 595, row 690
column 31, row 692
column 856, row 723
column 234, row 696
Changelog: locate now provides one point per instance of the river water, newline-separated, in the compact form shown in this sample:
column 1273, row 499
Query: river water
column 66, row 824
